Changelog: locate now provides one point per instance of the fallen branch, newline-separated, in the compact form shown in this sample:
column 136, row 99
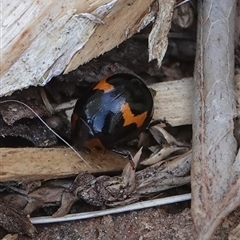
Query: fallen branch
column 215, row 168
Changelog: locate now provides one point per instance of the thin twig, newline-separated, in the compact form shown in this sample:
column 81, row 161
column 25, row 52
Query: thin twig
column 24, row 104
column 131, row 207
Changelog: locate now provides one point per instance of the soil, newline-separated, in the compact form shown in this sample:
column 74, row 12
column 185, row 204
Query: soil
column 149, row 224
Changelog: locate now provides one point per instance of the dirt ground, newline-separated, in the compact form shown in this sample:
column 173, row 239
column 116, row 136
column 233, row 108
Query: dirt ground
column 149, row 224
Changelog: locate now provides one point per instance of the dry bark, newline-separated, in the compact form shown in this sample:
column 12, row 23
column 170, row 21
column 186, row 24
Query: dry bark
column 44, row 39
column 15, row 221
column 215, row 168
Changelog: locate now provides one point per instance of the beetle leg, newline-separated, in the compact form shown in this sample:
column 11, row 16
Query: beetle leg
column 127, row 154
column 158, row 121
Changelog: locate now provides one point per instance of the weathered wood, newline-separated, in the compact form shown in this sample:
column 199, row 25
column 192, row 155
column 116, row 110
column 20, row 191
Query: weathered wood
column 39, row 38
column 125, row 19
column 30, row 164
column 42, row 39
column 173, row 101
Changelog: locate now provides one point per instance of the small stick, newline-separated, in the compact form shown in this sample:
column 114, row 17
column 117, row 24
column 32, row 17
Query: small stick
column 131, row 207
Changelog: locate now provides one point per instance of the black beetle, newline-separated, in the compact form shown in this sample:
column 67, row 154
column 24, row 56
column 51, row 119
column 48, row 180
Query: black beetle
column 113, row 111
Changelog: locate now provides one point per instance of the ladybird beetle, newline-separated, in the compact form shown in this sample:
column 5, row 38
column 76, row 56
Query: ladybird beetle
column 113, row 111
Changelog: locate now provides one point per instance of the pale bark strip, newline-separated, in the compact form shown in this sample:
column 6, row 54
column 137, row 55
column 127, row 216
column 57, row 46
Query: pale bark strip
column 215, row 168
column 158, row 40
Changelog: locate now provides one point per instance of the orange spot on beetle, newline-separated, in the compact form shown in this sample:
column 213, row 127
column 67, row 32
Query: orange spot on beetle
column 103, row 85
column 130, row 118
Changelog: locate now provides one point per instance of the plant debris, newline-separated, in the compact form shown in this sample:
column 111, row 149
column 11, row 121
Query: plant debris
column 15, row 221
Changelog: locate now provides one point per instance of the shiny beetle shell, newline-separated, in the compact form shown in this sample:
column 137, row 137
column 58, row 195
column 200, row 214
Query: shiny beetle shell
column 115, row 110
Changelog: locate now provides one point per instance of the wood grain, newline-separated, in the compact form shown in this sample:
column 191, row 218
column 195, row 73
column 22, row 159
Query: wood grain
column 173, row 101
column 30, row 164
column 42, row 39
